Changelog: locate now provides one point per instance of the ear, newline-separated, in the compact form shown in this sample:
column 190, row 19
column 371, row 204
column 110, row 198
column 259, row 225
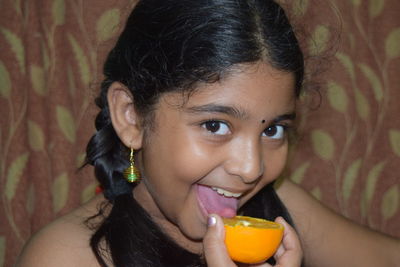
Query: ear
column 124, row 118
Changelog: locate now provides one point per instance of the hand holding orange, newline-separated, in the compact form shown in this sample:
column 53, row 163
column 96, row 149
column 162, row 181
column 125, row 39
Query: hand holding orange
column 251, row 240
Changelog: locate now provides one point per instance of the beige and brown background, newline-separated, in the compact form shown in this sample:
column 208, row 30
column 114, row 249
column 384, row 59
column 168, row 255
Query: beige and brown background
column 51, row 54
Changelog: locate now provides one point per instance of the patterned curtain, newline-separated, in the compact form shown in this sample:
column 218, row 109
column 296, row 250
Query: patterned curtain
column 348, row 152
column 51, row 53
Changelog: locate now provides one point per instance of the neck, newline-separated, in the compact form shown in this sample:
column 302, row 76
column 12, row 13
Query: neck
column 173, row 232
column 168, row 228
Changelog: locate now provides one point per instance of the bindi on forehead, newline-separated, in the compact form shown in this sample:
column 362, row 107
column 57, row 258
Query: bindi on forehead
column 263, row 121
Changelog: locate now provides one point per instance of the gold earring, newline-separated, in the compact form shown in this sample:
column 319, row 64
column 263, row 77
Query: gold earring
column 132, row 173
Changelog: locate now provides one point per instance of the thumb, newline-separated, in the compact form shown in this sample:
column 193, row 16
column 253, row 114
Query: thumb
column 213, row 243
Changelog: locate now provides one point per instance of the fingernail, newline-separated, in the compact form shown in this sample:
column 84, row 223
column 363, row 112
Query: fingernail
column 211, row 221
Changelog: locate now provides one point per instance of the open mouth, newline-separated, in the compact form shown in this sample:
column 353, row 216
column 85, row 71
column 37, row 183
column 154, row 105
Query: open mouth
column 217, row 200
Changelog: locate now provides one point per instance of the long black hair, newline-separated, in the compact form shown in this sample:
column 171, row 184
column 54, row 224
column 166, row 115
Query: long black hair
column 173, row 45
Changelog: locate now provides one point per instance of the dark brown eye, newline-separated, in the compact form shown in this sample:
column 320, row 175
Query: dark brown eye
column 216, row 127
column 212, row 126
column 275, row 132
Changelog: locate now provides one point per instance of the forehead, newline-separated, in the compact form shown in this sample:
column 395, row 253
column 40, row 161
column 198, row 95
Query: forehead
column 256, row 89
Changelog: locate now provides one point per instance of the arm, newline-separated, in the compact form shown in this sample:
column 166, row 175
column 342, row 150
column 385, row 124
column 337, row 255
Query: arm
column 330, row 240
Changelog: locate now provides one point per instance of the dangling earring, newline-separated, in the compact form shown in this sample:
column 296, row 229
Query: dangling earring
column 132, row 174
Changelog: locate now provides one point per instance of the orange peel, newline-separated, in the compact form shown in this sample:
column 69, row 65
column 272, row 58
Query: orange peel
column 251, row 240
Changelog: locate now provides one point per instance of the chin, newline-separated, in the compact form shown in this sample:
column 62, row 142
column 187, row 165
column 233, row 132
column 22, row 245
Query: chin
column 194, row 233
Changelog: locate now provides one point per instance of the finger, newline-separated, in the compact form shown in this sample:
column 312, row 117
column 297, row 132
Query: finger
column 279, row 251
column 213, row 243
column 290, row 239
column 289, row 252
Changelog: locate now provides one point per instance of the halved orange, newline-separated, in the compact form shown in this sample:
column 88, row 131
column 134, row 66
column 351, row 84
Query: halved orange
column 251, row 240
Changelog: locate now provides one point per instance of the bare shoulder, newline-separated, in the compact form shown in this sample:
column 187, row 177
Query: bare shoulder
column 64, row 242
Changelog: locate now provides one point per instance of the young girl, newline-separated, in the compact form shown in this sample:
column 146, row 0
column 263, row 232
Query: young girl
column 203, row 94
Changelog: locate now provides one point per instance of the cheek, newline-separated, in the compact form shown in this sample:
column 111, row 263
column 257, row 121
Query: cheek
column 193, row 162
column 184, row 157
column 174, row 166
column 274, row 163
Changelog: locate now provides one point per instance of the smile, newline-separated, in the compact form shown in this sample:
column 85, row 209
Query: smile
column 226, row 193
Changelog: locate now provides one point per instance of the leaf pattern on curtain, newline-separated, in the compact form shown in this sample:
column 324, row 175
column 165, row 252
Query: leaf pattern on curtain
column 348, row 153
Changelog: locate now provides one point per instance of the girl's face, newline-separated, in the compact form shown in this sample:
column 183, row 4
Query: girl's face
column 211, row 152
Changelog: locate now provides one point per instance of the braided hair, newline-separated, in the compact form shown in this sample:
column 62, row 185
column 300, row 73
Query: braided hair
column 171, row 46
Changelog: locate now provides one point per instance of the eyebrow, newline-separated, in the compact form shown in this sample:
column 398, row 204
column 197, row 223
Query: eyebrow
column 284, row 117
column 214, row 108
column 235, row 112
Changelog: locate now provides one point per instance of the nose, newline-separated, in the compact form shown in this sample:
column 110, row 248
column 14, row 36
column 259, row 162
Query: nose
column 245, row 160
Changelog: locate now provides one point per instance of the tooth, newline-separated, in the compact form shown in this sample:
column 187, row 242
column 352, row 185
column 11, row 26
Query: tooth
column 226, row 193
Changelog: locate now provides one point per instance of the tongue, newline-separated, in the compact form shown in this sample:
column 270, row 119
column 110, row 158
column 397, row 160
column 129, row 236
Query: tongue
column 216, row 203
